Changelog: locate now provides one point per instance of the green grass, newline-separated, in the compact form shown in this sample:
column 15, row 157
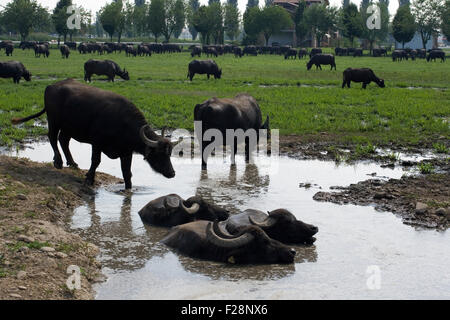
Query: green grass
column 159, row 87
column 425, row 168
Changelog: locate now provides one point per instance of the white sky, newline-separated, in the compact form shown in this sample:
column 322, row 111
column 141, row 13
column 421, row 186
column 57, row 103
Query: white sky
column 95, row 5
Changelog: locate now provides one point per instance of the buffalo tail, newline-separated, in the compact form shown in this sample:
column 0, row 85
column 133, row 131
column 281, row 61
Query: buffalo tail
column 21, row 120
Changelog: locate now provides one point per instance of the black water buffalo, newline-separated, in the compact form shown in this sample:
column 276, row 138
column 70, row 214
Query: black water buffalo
column 198, row 239
column 210, row 50
column 71, row 45
column 41, row 49
column 358, row 53
column 279, row 224
column 378, row 52
column 340, row 51
column 172, row 210
column 302, row 53
column 314, row 51
column 9, row 48
column 238, row 52
column 399, row 55
column 131, row 51
column 364, row 75
column 109, row 122
column 436, row 54
column 208, row 67
column 4, row 43
column 250, row 50
column 320, row 59
column 65, row 51
column 196, row 51
column 290, row 53
column 104, row 67
column 240, row 112
column 15, row 70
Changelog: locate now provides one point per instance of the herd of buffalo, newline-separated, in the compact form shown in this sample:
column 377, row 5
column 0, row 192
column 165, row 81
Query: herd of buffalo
column 113, row 125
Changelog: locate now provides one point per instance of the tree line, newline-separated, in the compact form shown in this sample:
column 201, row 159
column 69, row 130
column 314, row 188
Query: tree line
column 211, row 23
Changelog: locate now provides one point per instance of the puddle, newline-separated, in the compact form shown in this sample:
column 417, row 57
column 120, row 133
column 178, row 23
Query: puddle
column 413, row 263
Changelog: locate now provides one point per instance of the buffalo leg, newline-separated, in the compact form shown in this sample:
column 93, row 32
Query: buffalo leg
column 343, row 84
column 364, row 85
column 348, row 83
column 64, row 142
column 95, row 161
column 53, row 137
column 207, row 75
column 125, row 163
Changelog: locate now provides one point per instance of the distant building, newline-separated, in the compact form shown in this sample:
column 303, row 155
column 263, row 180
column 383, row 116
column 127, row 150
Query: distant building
column 416, row 43
column 288, row 37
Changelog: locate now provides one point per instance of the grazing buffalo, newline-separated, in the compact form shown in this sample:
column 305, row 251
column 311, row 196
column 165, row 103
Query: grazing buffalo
column 104, row 67
column 250, row 246
column 340, row 51
column 238, row 52
column 250, row 50
column 364, row 75
column 399, row 55
column 210, row 50
column 280, row 225
column 378, row 52
column 131, row 51
column 240, row 112
column 320, row 59
column 358, row 53
column 302, row 53
column 9, row 48
column 196, row 51
column 109, row 122
column 41, row 49
column 71, row 45
column 208, row 67
column 314, row 51
column 172, row 210
column 65, row 51
column 290, row 53
column 15, row 70
column 436, row 54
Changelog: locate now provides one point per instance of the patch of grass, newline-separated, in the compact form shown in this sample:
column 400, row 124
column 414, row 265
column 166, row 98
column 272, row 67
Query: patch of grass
column 30, row 214
column 31, row 245
column 425, row 168
column 364, row 151
column 440, row 148
column 66, row 247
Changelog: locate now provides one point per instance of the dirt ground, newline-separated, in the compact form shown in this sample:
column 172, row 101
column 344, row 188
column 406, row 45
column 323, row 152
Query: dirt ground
column 35, row 247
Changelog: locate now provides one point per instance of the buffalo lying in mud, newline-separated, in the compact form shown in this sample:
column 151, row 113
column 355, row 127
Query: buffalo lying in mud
column 240, row 112
column 172, row 210
column 279, row 224
column 320, row 59
column 109, row 122
column 104, row 67
column 208, row 67
column 15, row 70
column 364, row 75
column 250, row 246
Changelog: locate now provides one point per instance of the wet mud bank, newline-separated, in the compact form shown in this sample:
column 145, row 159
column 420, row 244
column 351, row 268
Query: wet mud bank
column 36, row 247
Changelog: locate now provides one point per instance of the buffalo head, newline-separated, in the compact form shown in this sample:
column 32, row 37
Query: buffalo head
column 251, row 245
column 157, row 151
column 309, row 65
column 218, row 74
column 283, row 226
column 124, row 75
column 27, row 76
column 206, row 210
column 380, row 83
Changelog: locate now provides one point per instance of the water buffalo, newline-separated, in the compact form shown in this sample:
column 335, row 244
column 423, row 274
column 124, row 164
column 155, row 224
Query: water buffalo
column 250, row 50
column 71, row 45
column 41, row 49
column 302, row 53
column 204, row 66
column 196, row 51
column 280, row 225
column 109, row 122
column 65, row 51
column 172, row 210
column 104, row 67
column 290, row 53
column 210, row 50
column 320, row 59
column 130, row 51
column 399, row 55
column 314, row 51
column 340, row 51
column 15, row 70
column 199, row 240
column 378, row 52
column 436, row 54
column 9, row 48
column 238, row 52
column 240, row 112
column 358, row 53
column 364, row 75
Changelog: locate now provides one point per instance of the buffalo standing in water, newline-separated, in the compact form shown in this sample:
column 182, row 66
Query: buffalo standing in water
column 320, row 59
column 364, row 75
column 15, row 70
column 251, row 245
column 207, row 67
column 104, row 67
column 172, row 210
column 109, row 122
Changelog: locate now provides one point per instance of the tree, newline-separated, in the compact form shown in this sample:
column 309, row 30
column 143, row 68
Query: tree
column 112, row 18
column 231, row 20
column 22, row 16
column 191, row 10
column 180, row 17
column 203, row 23
column 445, row 26
column 320, row 19
column 351, row 22
column 155, row 18
column 85, row 17
column 252, row 3
column 301, row 27
column 252, row 23
column 216, row 15
column 403, row 26
column 372, row 35
column 42, row 20
column 139, row 19
column 59, row 18
column 273, row 20
column 427, row 15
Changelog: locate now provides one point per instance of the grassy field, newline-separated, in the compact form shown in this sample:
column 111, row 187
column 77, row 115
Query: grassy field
column 414, row 108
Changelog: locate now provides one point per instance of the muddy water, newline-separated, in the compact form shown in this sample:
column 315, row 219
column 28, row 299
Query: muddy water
column 412, row 263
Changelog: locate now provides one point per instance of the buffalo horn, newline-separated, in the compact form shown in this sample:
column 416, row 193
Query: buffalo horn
column 192, row 210
column 172, row 202
column 267, row 223
column 146, row 140
column 238, row 241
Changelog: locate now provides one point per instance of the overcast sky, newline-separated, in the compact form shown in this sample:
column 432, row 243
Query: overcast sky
column 95, row 5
